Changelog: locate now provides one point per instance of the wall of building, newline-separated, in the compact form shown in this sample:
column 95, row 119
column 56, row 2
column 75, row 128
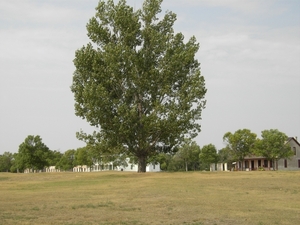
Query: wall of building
column 134, row 167
column 294, row 162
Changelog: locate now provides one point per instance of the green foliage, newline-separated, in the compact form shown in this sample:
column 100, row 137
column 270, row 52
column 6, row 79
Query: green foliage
column 6, row 161
column 138, row 82
column 15, row 167
column 273, row 145
column 240, row 143
column 32, row 154
column 225, row 155
column 207, row 156
column 82, row 157
column 176, row 164
column 186, row 158
column 164, row 160
column 67, row 161
column 54, row 157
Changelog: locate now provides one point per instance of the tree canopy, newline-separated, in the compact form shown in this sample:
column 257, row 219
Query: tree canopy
column 273, row 145
column 188, row 153
column 240, row 143
column 33, row 153
column 67, row 161
column 138, row 81
column 6, row 161
column 208, row 155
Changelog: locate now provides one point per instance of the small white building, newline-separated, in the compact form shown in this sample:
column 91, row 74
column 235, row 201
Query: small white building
column 218, row 167
column 151, row 167
column 51, row 169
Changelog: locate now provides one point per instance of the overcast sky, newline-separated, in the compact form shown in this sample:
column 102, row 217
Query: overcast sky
column 249, row 55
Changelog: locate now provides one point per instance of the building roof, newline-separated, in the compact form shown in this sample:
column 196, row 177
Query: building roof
column 293, row 139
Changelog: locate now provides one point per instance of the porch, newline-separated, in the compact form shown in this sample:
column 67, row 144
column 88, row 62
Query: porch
column 252, row 164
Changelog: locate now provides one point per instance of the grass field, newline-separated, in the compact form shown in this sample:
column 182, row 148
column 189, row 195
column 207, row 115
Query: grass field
column 109, row 198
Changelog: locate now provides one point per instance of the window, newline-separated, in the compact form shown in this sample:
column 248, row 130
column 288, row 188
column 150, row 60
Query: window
column 285, row 163
column 294, row 150
column 298, row 163
column 259, row 163
column 265, row 163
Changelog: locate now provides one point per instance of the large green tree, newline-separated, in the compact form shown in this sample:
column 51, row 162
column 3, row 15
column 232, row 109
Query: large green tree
column 208, row 155
column 240, row 143
column 138, row 81
column 6, row 161
column 273, row 145
column 33, row 153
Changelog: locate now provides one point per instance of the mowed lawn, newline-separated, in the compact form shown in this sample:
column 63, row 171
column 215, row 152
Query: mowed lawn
column 259, row 198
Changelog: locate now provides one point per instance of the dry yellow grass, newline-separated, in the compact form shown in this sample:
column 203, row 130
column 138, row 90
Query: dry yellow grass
column 153, row 198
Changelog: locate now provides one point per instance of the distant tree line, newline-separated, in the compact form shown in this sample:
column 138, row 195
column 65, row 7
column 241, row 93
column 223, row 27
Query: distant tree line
column 34, row 154
column 272, row 145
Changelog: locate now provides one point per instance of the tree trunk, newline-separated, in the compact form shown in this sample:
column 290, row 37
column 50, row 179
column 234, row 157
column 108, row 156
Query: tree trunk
column 141, row 164
column 273, row 164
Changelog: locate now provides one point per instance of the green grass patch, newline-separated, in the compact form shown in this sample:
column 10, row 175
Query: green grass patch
column 108, row 198
column 3, row 178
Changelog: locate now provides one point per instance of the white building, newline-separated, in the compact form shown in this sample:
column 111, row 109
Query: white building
column 134, row 167
column 109, row 166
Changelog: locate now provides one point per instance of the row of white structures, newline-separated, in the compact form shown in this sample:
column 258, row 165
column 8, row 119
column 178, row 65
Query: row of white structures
column 105, row 167
column 218, row 167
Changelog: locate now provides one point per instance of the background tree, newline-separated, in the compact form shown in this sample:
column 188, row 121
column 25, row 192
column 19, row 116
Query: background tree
column 164, row 160
column 189, row 152
column 207, row 156
column 16, row 167
column 100, row 152
column 176, row 163
column 53, row 157
column 139, row 83
column 195, row 162
column 94, row 153
column 82, row 157
column 6, row 161
column 185, row 153
column 273, row 145
column 33, row 153
column 226, row 156
column 240, row 143
column 67, row 161
column 186, row 158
